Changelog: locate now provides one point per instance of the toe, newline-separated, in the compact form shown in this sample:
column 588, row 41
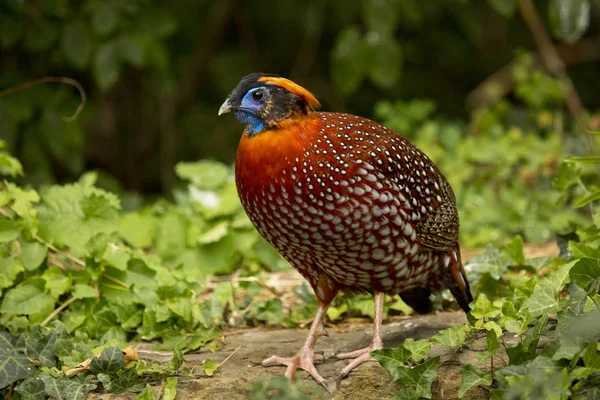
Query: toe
column 352, row 354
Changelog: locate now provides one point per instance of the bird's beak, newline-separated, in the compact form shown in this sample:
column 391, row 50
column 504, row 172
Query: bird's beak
column 225, row 107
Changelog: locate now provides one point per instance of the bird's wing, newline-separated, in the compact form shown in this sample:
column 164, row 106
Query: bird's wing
column 439, row 229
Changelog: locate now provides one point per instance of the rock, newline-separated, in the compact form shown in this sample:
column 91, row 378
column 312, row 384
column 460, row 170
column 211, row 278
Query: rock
column 368, row 381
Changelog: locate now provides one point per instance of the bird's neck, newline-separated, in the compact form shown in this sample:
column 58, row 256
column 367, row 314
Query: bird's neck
column 262, row 157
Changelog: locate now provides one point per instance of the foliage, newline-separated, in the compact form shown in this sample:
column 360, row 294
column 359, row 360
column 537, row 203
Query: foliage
column 156, row 72
column 551, row 305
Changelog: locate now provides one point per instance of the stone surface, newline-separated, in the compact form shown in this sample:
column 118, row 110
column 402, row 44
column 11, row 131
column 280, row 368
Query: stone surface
column 368, row 381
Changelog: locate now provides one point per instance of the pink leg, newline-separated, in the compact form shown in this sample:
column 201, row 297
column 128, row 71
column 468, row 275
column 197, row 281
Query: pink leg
column 363, row 355
column 306, row 356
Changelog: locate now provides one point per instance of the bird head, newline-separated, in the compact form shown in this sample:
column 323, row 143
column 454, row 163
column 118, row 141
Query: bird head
column 263, row 101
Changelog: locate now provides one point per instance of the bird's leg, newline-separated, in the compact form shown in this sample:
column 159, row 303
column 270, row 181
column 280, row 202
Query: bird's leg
column 306, row 357
column 363, row 355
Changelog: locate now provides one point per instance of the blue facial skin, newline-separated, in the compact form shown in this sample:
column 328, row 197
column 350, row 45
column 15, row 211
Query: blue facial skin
column 246, row 112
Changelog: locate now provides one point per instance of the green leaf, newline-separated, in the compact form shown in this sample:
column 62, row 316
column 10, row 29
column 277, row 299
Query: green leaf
column 83, row 291
column 406, row 393
column 110, row 361
column 381, row 16
column 10, row 267
column 484, row 308
column 170, row 388
column 107, row 66
column 8, row 230
column 569, row 19
column 147, row 394
column 583, row 159
column 585, row 272
column 126, row 380
column 105, row 18
column 71, row 215
column 210, row 367
column 348, row 62
column 420, row 377
column 32, row 389
column 205, row 174
column 33, row 254
column 57, row 282
column 492, row 261
column 506, row 8
column 515, row 250
column 386, row 59
column 14, row 365
column 10, row 166
column 76, row 44
column 28, row 297
column 66, row 389
column 491, row 342
column 418, row 348
column 591, row 358
column 391, row 359
column 452, row 337
column 545, row 295
column 585, row 200
column 138, row 229
column 472, row 377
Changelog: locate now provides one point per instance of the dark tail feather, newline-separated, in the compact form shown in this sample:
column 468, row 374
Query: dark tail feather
column 457, row 282
column 418, row 300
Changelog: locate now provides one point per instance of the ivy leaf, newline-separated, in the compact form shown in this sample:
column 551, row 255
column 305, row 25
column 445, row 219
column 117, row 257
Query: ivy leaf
column 67, row 389
column 14, row 365
column 391, row 359
column 126, row 380
column 492, row 261
column 491, row 342
column 586, row 273
column 545, row 294
column 32, row 389
column 406, row 393
column 472, row 377
column 452, row 337
column 420, row 377
column 418, row 348
column 484, row 308
column 110, row 361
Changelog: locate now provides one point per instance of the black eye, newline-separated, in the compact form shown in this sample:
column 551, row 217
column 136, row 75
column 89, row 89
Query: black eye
column 258, row 95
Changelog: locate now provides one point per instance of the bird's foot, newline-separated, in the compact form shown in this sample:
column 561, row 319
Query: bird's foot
column 359, row 356
column 303, row 360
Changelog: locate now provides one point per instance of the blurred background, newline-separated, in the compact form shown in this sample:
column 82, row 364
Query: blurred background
column 466, row 80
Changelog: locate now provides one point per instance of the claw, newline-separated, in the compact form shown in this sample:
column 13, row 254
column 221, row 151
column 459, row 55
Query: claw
column 303, row 361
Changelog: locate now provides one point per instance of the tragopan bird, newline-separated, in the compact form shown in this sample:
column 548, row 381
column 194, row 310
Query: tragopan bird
column 350, row 204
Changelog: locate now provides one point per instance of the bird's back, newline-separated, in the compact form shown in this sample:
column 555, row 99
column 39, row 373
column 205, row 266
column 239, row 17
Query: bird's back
column 343, row 195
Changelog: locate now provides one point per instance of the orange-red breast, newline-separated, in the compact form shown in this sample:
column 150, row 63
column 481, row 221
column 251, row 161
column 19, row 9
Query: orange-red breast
column 350, row 204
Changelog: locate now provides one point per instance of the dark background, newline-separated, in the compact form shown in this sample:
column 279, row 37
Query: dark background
column 155, row 72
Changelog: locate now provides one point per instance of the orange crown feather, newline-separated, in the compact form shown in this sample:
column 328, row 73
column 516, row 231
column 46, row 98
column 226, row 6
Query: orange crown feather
column 294, row 88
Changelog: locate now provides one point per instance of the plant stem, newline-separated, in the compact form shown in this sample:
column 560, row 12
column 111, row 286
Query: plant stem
column 57, row 311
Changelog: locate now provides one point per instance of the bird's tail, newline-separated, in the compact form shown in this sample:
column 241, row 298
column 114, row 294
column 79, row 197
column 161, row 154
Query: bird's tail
column 456, row 280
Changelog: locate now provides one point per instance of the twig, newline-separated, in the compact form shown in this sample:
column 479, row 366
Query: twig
column 501, row 83
column 52, row 79
column 117, row 281
column 57, row 311
column 553, row 61
column 56, row 250
column 229, row 356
